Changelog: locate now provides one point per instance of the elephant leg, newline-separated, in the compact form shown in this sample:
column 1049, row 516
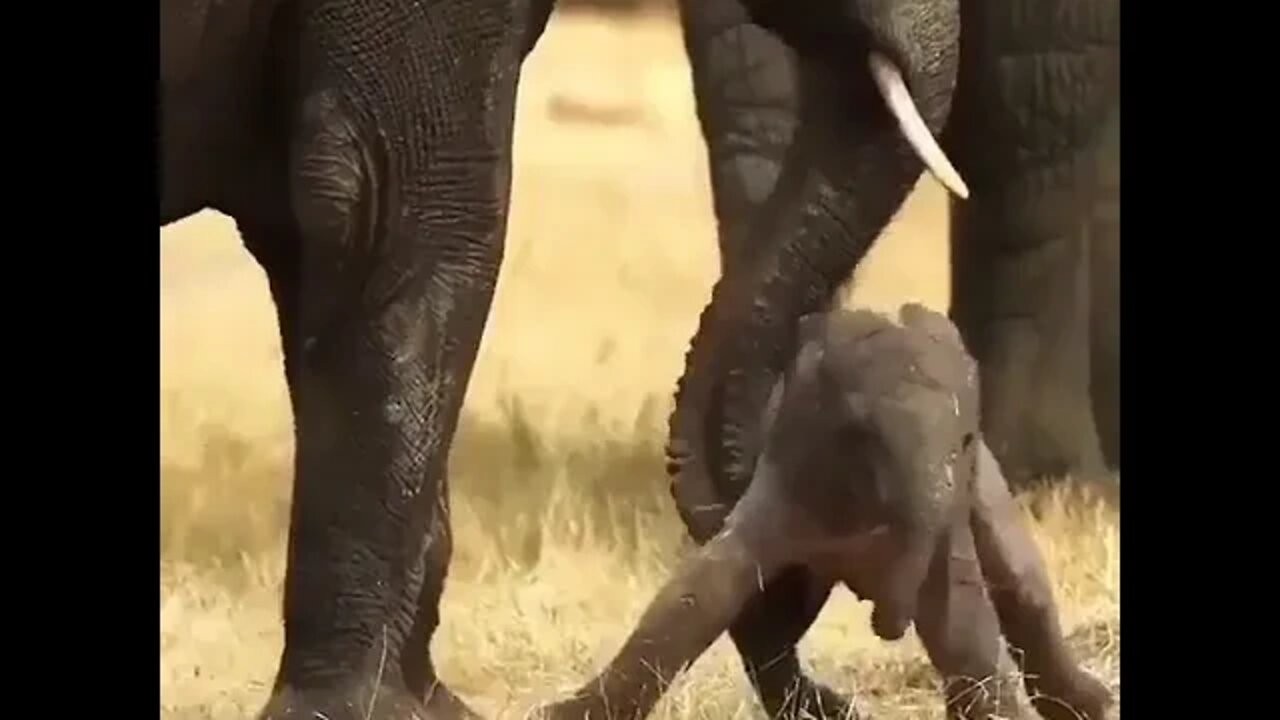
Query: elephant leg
column 706, row 595
column 1025, row 314
column 275, row 244
column 766, row 633
column 1104, row 277
column 1020, row 588
column 745, row 93
column 1037, row 80
column 961, row 633
column 381, row 335
column 419, row 672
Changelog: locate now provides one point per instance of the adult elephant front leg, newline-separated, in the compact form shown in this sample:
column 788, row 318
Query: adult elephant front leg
column 400, row 197
column 379, row 383
column 1038, row 79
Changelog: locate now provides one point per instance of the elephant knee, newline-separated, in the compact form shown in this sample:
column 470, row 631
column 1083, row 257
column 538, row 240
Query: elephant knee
column 329, row 171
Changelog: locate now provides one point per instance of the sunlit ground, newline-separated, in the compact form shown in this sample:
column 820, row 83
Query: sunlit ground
column 564, row 528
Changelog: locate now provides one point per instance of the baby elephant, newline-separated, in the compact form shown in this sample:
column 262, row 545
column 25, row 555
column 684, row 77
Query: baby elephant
column 872, row 474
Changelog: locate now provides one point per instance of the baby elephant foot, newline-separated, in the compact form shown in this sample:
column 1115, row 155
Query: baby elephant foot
column 1077, row 697
column 348, row 702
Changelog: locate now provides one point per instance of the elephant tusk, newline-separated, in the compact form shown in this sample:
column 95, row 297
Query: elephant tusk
column 894, row 91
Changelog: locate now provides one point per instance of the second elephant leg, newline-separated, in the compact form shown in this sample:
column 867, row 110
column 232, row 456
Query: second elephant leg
column 698, row 603
column 766, row 633
column 1020, row 588
column 1021, row 298
column 958, row 626
column 1037, row 81
column 379, row 353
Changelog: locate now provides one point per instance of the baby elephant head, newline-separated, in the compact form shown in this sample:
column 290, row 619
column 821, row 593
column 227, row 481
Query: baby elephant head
column 862, row 476
column 864, row 460
column 869, row 475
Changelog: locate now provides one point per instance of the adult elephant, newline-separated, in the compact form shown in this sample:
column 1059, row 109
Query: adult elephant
column 807, row 169
column 1034, row 248
column 363, row 148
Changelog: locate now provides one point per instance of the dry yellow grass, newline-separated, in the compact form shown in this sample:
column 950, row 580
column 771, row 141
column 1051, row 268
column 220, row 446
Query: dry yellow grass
column 564, row 528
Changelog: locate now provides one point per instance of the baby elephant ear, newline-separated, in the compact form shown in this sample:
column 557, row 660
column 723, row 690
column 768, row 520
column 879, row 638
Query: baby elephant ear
column 916, row 315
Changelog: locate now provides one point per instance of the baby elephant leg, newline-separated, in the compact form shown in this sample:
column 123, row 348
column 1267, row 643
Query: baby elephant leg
column 699, row 602
column 1023, row 596
column 766, row 633
column 961, row 632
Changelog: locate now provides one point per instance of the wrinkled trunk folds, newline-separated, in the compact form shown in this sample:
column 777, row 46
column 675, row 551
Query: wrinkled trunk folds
column 745, row 91
column 848, row 172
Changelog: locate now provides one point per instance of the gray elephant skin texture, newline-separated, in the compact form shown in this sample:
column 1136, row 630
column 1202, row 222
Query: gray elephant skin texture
column 363, row 148
column 802, row 187
column 1033, row 128
column 872, row 473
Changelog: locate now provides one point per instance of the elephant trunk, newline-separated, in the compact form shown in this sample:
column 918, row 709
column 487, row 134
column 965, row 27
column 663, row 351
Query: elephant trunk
column 854, row 163
column 924, row 508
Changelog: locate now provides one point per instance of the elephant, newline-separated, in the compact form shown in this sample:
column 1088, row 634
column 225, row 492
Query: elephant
column 807, row 168
column 364, row 148
column 873, row 472
column 1033, row 131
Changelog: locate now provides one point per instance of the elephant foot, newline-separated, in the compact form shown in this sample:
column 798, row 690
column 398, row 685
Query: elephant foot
column 354, row 701
column 1082, row 697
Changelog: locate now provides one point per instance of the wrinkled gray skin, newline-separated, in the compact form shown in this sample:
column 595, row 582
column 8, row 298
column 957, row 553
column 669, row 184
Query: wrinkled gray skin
column 1033, row 130
column 807, row 169
column 872, row 474
column 363, row 148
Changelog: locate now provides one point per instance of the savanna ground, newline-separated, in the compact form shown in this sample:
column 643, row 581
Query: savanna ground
column 564, row 527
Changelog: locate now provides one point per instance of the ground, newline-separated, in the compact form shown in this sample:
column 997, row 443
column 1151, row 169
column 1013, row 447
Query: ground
column 564, row 527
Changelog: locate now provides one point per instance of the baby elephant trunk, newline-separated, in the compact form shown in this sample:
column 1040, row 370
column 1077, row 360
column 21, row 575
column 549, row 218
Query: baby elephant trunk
column 921, row 515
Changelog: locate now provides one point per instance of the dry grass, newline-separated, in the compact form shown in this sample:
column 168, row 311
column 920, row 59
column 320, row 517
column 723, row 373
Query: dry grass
column 564, row 528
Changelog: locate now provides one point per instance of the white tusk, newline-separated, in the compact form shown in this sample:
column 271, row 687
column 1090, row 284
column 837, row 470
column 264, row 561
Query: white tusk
column 894, row 91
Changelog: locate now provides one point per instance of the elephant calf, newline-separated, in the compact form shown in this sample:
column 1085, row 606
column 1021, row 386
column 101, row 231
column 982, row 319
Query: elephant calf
column 871, row 473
